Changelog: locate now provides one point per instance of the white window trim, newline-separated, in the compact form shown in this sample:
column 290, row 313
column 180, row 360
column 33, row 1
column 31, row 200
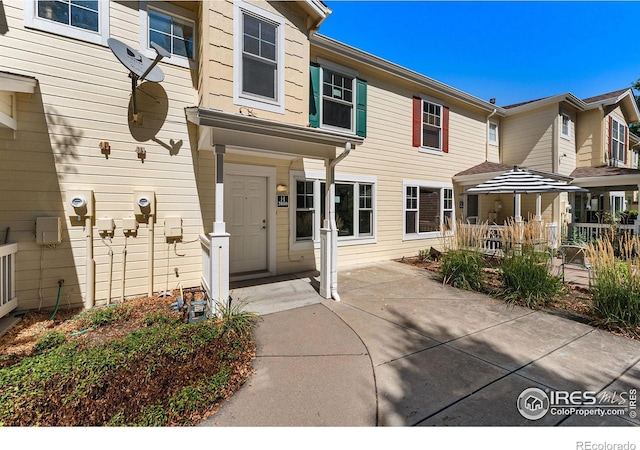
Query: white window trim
column 617, row 121
column 425, row 184
column 634, row 159
column 620, row 195
column 172, row 10
column 562, row 134
column 31, row 20
column 423, row 148
column 345, row 71
column 318, row 178
column 496, row 141
column 248, row 100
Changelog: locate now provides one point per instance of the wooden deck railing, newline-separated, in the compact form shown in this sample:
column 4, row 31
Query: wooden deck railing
column 8, row 299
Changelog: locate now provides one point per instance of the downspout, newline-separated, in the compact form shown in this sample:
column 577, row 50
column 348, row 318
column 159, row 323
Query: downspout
column 333, row 227
column 486, row 144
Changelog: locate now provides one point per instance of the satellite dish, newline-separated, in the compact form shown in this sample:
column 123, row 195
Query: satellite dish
column 140, row 67
column 136, row 62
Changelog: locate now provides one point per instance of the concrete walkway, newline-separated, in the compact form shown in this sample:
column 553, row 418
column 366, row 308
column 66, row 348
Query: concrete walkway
column 401, row 349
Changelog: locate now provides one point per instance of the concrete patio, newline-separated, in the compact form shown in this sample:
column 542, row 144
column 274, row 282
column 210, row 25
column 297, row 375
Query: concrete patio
column 401, row 349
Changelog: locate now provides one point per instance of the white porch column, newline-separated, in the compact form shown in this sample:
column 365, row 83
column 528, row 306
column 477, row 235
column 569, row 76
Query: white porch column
column 517, row 213
column 539, row 207
column 219, row 282
column 329, row 237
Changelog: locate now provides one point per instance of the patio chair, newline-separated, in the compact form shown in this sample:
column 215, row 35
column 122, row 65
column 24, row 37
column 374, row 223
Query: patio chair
column 575, row 255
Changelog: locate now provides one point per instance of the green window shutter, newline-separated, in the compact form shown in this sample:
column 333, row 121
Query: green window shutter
column 361, row 107
column 314, row 95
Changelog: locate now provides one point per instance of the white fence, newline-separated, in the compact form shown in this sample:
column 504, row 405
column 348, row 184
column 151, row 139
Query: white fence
column 8, row 299
column 587, row 232
column 492, row 241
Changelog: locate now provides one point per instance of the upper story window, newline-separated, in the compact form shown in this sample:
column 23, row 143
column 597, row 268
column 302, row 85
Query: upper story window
column 492, row 135
column 169, row 26
column 84, row 20
column 431, row 126
column 339, row 99
column 259, row 58
column 618, row 140
column 566, row 126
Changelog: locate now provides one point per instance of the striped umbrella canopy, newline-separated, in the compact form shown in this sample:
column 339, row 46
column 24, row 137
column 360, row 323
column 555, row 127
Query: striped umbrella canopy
column 522, row 181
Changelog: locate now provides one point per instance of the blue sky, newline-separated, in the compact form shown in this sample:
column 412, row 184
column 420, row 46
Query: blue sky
column 513, row 51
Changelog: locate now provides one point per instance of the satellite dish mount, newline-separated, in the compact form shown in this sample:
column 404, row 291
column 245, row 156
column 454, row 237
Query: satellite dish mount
column 140, row 67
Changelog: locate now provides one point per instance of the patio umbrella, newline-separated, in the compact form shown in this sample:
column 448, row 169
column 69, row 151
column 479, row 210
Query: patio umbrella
column 522, row 181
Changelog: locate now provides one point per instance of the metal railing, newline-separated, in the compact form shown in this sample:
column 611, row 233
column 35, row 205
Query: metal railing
column 8, row 299
column 588, row 232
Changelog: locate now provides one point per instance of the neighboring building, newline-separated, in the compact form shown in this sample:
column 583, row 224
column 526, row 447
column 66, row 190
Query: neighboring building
column 258, row 121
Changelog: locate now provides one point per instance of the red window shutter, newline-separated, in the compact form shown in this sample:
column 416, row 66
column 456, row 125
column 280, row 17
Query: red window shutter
column 610, row 141
column 417, row 122
column 445, row 129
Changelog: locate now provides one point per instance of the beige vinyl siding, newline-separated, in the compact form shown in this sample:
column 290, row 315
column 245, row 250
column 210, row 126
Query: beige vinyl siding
column 590, row 140
column 82, row 99
column 219, row 16
column 388, row 155
column 527, row 138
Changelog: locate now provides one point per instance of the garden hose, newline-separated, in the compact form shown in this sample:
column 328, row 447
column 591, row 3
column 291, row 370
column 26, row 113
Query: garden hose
column 60, row 283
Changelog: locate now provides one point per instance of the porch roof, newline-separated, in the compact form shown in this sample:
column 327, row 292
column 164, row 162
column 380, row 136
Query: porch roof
column 263, row 135
column 619, row 178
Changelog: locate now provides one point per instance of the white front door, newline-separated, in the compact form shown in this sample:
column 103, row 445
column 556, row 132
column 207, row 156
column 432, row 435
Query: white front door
column 245, row 207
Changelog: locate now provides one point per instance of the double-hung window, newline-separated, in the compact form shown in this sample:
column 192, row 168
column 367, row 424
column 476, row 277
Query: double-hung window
column 431, row 126
column 428, row 208
column 565, row 131
column 171, row 27
column 492, row 133
column 354, row 207
column 259, row 58
column 84, row 20
column 618, row 139
column 339, row 98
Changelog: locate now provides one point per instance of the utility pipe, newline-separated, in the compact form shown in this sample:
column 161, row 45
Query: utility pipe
column 110, row 282
column 150, row 255
column 330, row 206
column 90, row 265
column 124, row 265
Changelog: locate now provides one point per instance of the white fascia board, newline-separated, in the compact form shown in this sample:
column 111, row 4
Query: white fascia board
column 368, row 59
column 17, row 83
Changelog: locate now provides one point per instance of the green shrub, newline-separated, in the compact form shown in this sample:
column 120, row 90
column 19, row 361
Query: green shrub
column 615, row 284
column 49, row 340
column 107, row 315
column 462, row 269
column 526, row 278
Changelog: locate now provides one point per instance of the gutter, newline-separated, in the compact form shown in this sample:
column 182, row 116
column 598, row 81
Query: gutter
column 333, row 227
